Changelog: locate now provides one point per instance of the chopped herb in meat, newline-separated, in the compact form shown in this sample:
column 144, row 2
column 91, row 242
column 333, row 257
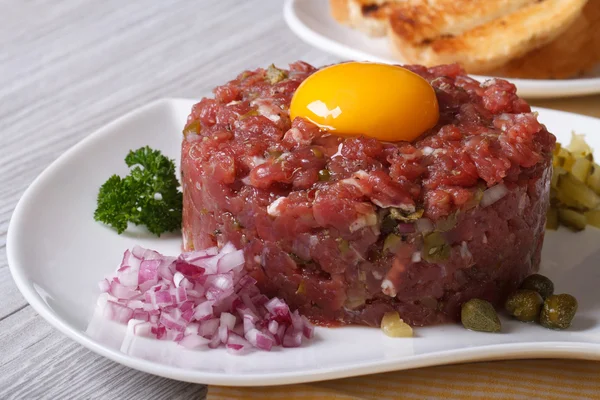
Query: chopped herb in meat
column 148, row 196
column 275, row 74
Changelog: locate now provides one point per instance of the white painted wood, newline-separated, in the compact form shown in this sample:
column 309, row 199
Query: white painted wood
column 69, row 67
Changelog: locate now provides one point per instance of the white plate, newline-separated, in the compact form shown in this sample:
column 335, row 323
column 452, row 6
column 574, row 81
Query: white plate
column 57, row 253
column 312, row 22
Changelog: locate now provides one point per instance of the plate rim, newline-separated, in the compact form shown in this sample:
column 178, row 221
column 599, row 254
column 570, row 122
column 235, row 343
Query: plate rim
column 557, row 349
column 529, row 88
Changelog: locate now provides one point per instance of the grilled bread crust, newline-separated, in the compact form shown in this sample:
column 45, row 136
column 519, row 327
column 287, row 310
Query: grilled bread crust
column 418, row 38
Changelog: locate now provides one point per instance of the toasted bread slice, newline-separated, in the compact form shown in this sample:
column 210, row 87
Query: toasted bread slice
column 572, row 54
column 479, row 34
column 368, row 16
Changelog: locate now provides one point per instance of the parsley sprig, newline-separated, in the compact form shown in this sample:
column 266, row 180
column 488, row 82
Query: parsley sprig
column 148, row 196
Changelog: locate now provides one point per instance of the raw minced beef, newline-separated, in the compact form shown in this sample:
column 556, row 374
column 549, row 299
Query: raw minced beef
column 347, row 228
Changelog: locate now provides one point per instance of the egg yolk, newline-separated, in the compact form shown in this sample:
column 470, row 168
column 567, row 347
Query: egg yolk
column 386, row 102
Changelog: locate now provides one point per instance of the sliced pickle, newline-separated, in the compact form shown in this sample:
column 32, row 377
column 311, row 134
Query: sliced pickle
column 578, row 191
column 593, row 180
column 581, row 169
column 593, row 218
column 578, row 146
column 572, row 219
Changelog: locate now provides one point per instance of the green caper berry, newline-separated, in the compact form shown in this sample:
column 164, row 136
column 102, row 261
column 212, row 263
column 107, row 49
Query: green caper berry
column 479, row 315
column 524, row 305
column 324, row 175
column 558, row 311
column 540, row 284
column 317, row 152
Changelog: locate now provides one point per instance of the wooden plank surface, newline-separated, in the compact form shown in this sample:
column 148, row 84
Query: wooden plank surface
column 67, row 68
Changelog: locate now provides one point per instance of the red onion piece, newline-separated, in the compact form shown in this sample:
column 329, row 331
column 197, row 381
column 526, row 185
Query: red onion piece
column 104, row 285
column 493, row 194
column 259, row 339
column 405, row 228
column 193, row 341
column 228, row 320
column 208, row 328
column 308, row 330
column 424, row 225
column 142, row 328
column 292, row 338
column 273, row 327
column 237, row 344
column 117, row 312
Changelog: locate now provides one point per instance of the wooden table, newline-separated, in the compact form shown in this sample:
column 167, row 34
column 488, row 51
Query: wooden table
column 66, row 69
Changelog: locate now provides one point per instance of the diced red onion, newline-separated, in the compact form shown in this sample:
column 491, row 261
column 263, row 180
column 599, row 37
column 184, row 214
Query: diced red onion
column 148, row 272
column 141, row 315
column 204, row 311
column 117, row 312
column 209, row 327
column 194, row 300
column 297, row 322
column 237, row 344
column 228, row 320
column 191, row 329
column 177, row 278
column 493, row 194
column 238, row 330
column 405, row 228
column 121, row 291
column 277, row 307
column 230, row 261
column 280, row 334
column 104, row 285
column 292, row 338
column 424, row 225
column 223, row 333
column 273, row 327
column 248, row 325
column 260, row 340
column 215, row 341
column 193, row 341
column 227, row 248
column 308, row 329
column 246, row 313
column 142, row 328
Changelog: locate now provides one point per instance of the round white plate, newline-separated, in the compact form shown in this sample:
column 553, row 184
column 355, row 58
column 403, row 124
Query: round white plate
column 57, row 254
column 312, row 22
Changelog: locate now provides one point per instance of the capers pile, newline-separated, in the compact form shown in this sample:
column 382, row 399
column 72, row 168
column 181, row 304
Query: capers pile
column 533, row 301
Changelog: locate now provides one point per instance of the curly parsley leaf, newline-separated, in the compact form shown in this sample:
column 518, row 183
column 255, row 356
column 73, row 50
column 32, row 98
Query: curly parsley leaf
column 148, row 196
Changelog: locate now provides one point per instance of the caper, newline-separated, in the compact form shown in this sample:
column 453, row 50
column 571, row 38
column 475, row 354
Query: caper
column 558, row 311
column 324, row 175
column 524, row 305
column 479, row 315
column 435, row 248
column 540, row 284
column 317, row 152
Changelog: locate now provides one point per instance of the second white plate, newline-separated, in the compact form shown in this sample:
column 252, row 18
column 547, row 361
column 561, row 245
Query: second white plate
column 311, row 20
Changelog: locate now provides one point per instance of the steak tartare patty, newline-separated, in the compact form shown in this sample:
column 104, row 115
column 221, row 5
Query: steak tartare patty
column 348, row 228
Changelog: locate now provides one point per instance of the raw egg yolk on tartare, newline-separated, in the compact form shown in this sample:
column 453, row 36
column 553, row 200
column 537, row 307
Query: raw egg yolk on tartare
column 386, row 102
